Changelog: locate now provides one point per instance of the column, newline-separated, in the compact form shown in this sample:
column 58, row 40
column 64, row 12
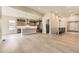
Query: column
column 44, row 25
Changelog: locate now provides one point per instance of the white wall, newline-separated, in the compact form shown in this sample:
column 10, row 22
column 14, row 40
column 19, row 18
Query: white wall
column 73, row 18
column 53, row 23
column 64, row 20
column 44, row 19
column 5, row 24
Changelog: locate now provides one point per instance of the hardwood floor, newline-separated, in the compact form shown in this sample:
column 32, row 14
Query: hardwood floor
column 41, row 43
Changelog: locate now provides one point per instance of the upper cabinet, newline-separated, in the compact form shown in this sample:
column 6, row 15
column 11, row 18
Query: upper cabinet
column 21, row 22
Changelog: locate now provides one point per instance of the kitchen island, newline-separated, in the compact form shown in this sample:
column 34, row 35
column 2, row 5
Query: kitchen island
column 27, row 29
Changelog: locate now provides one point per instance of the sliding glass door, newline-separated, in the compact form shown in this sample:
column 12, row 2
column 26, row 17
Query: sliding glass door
column 73, row 26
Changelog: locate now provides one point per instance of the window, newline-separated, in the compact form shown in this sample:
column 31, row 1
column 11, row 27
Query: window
column 12, row 24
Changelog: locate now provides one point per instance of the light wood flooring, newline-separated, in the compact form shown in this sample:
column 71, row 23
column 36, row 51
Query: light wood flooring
column 41, row 43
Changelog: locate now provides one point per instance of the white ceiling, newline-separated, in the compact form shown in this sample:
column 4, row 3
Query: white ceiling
column 59, row 10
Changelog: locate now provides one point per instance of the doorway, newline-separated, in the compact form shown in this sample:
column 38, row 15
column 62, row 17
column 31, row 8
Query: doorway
column 47, row 26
